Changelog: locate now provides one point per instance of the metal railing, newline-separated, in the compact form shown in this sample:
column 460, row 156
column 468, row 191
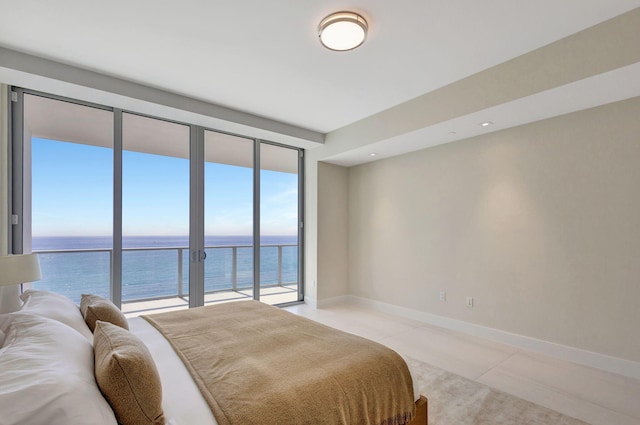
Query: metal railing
column 234, row 283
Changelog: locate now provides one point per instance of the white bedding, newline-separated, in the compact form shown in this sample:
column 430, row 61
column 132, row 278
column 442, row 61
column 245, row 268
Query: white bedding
column 183, row 403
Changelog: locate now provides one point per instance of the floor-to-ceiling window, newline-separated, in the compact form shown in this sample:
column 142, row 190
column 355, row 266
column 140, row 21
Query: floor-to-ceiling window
column 68, row 194
column 109, row 199
column 155, row 213
column 228, row 216
column 279, row 223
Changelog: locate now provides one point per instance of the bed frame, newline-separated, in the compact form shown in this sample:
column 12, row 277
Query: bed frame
column 421, row 412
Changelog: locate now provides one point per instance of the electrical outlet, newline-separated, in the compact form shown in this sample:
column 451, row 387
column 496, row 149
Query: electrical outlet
column 470, row 302
column 443, row 296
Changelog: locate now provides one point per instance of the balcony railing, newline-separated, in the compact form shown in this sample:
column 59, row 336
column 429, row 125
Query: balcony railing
column 163, row 272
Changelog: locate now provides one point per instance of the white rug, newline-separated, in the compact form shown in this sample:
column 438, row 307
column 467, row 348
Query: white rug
column 454, row 400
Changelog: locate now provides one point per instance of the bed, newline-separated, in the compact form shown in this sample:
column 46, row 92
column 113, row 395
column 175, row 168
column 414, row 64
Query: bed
column 51, row 390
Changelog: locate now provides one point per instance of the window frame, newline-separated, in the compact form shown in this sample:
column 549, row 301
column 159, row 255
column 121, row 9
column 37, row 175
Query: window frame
column 19, row 204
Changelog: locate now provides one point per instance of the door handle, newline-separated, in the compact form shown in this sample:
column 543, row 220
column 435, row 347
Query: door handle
column 198, row 256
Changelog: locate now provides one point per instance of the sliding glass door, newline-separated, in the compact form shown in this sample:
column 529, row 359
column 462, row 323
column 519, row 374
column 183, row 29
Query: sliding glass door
column 228, row 217
column 66, row 193
column 155, row 213
column 279, row 224
column 152, row 213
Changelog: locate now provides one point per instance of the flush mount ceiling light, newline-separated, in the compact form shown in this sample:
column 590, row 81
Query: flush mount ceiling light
column 342, row 31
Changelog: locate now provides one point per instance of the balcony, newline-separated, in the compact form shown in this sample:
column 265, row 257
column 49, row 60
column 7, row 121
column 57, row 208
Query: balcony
column 156, row 279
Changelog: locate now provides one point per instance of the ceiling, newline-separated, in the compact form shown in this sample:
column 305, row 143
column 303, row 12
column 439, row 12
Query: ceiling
column 264, row 58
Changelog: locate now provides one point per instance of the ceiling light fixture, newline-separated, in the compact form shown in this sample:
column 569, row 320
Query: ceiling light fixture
column 373, row 154
column 486, row 124
column 342, row 31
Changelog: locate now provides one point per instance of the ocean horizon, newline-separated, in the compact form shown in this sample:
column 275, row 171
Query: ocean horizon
column 50, row 243
column 152, row 271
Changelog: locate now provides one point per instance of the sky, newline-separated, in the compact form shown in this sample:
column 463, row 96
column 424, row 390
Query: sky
column 72, row 194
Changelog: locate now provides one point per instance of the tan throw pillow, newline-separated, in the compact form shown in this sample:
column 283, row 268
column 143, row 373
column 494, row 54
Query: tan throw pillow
column 94, row 307
column 127, row 376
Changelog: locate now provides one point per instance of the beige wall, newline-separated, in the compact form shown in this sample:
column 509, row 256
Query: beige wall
column 539, row 223
column 333, row 231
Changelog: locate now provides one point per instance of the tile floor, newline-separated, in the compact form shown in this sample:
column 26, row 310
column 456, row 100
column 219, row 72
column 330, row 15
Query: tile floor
column 592, row 395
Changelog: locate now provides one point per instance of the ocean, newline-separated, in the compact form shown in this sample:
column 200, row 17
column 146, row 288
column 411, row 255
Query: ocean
column 150, row 264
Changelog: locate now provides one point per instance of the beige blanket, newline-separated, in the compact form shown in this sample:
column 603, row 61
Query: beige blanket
column 257, row 364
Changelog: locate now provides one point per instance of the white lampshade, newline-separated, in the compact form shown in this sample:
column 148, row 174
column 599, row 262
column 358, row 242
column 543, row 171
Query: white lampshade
column 342, row 31
column 16, row 269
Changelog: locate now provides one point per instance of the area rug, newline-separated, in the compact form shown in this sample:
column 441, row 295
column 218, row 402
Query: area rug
column 454, row 400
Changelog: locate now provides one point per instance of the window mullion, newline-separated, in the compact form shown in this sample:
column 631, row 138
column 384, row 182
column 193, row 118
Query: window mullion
column 116, row 252
column 256, row 220
column 196, row 217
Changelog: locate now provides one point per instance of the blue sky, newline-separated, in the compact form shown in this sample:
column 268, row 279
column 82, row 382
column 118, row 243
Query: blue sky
column 72, row 194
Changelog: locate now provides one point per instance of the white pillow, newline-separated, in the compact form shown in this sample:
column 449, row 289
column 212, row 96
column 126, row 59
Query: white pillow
column 46, row 375
column 56, row 307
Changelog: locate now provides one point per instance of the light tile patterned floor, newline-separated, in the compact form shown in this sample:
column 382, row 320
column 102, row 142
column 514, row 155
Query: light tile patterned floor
column 588, row 394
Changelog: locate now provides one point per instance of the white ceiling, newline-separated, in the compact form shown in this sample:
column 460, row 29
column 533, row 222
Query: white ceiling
column 263, row 57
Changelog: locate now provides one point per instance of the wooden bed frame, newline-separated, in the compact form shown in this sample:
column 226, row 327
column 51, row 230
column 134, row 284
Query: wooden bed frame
column 421, row 412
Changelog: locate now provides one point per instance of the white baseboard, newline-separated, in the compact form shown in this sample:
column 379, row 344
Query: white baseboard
column 588, row 358
column 330, row 302
column 311, row 302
